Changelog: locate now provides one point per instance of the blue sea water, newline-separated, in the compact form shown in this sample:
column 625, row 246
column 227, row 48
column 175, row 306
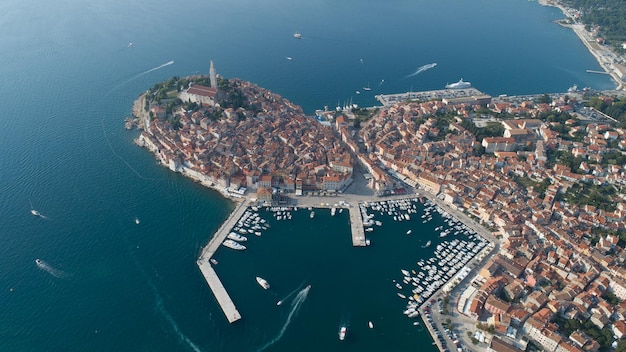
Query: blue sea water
column 69, row 77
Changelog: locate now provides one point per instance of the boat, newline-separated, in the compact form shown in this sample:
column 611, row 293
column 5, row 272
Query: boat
column 401, row 295
column 35, row 212
column 572, row 89
column 370, row 324
column 234, row 245
column 408, row 232
column 279, row 303
column 459, row 85
column 213, row 261
column 405, row 272
column 333, row 210
column 137, row 221
column 38, row 262
column 312, row 215
column 237, row 237
column 289, row 58
column 130, row 45
column 297, row 35
column 263, row 282
column 367, row 89
column 427, row 245
column 342, row 333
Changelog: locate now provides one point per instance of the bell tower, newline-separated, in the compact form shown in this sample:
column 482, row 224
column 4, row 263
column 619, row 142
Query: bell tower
column 213, row 75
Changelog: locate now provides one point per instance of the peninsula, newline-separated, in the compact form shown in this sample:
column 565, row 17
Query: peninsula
column 542, row 175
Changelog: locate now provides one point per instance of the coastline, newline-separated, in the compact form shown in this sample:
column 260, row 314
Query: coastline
column 586, row 39
column 355, row 194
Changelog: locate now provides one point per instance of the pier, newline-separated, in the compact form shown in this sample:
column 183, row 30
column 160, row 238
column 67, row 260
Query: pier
column 441, row 94
column 223, row 299
column 356, row 225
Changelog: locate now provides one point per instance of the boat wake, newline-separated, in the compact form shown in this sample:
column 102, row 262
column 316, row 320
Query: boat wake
column 171, row 62
column 173, row 324
column 295, row 307
column 58, row 273
column 289, row 295
column 106, row 137
column 422, row 69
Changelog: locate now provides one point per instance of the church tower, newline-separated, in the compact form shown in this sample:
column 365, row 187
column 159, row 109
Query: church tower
column 213, row 76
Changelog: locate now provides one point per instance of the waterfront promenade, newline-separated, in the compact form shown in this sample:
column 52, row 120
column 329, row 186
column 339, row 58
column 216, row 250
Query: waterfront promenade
column 223, row 299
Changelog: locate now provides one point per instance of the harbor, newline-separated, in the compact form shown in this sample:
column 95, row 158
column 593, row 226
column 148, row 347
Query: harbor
column 444, row 248
column 469, row 94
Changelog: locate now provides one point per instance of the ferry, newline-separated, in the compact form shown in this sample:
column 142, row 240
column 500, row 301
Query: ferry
column 263, row 282
column 342, row 333
column 459, row 85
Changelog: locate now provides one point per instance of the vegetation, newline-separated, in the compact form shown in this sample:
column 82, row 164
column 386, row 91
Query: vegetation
column 616, row 108
column 488, row 328
column 544, row 99
column 611, row 298
column 610, row 15
column 603, row 336
column 583, row 194
column 492, row 129
column 526, row 182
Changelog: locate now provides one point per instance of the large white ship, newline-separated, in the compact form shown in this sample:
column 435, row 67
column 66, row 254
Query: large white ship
column 459, row 85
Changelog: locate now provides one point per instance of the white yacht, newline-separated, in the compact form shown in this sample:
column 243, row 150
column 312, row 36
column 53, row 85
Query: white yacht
column 237, row 237
column 262, row 282
column 234, row 245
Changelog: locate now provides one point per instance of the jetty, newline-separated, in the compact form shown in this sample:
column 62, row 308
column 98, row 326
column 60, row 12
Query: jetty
column 356, row 225
column 220, row 293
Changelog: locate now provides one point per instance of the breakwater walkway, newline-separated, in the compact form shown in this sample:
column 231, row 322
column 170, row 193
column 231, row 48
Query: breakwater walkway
column 223, row 299
column 356, row 225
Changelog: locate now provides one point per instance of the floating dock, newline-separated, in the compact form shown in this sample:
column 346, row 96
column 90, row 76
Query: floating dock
column 223, row 299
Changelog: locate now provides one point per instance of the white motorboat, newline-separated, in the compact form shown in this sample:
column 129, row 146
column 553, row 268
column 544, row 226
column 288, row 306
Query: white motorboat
column 237, row 237
column 370, row 324
column 262, row 282
column 297, row 35
column 342, row 333
column 35, row 212
column 137, row 221
column 409, row 232
column 234, row 245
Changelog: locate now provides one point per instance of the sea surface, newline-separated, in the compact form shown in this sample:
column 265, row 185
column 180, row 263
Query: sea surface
column 70, row 71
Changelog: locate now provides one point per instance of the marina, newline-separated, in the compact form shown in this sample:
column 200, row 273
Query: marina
column 440, row 94
column 443, row 246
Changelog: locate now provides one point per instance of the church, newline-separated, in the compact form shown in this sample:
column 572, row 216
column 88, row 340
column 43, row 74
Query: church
column 202, row 94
